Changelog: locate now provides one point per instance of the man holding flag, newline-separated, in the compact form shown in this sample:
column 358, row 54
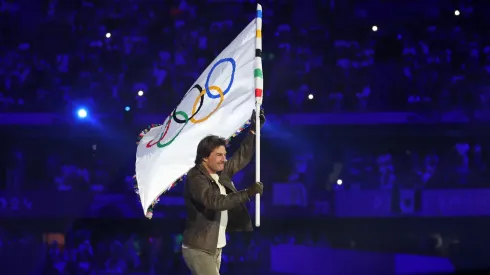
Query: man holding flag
column 213, row 203
column 218, row 104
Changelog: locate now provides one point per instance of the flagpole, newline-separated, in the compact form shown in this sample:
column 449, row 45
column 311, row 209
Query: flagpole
column 259, row 83
column 257, row 161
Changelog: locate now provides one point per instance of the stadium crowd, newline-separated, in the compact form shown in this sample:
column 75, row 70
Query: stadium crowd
column 327, row 56
column 343, row 57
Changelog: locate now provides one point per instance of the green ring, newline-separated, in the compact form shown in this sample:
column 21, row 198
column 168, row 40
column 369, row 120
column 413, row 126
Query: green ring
column 186, row 117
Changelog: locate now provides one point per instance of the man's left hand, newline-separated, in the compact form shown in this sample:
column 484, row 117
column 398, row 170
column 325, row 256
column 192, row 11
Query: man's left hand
column 262, row 120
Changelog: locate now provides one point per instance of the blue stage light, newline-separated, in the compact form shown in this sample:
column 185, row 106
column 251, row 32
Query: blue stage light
column 82, row 113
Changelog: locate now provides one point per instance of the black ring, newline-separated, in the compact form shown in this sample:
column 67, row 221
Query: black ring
column 181, row 121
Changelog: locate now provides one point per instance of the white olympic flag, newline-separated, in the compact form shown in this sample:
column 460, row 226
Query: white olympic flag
column 219, row 103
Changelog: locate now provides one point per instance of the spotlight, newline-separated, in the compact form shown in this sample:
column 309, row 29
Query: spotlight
column 82, row 113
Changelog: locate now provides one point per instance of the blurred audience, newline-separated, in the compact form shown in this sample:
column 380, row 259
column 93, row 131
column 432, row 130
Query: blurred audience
column 108, row 55
column 352, row 163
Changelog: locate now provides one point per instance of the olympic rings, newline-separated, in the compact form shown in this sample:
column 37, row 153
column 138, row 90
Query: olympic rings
column 233, row 66
column 221, row 99
column 198, row 103
column 199, row 88
column 164, row 133
column 176, row 135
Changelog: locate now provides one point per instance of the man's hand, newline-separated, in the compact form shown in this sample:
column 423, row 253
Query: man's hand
column 255, row 188
column 262, row 120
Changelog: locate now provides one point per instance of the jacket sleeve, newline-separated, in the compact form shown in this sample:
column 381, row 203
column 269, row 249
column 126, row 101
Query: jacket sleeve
column 200, row 190
column 241, row 157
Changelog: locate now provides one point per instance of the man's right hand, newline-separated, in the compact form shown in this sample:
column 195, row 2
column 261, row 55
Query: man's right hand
column 255, row 188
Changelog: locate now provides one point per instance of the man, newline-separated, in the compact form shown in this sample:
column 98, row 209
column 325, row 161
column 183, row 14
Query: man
column 213, row 203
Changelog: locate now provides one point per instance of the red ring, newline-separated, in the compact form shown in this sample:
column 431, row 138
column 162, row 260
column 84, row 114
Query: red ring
column 148, row 145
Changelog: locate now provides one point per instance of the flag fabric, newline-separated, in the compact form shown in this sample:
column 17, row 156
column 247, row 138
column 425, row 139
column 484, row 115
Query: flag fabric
column 220, row 102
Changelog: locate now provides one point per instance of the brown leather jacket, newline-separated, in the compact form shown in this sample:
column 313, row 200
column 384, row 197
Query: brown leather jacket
column 204, row 202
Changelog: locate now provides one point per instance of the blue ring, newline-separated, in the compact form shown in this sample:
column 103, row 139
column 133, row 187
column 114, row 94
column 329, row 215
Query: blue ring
column 206, row 86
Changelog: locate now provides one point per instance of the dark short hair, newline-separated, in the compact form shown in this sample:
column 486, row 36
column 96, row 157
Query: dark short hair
column 207, row 145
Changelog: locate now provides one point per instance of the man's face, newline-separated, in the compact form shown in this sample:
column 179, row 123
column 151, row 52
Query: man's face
column 216, row 160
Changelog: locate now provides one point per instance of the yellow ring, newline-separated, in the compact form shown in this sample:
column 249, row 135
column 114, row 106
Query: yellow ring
column 221, row 98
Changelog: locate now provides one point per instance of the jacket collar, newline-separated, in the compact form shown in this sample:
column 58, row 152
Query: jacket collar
column 205, row 172
column 225, row 183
